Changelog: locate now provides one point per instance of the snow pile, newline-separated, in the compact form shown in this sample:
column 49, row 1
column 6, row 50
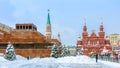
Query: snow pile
column 76, row 62
column 18, row 57
column 64, row 62
column 78, row 59
column 107, row 64
column 39, row 63
column 2, row 59
column 7, row 64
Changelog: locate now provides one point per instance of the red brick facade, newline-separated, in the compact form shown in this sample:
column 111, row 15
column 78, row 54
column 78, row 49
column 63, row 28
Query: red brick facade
column 93, row 42
column 27, row 40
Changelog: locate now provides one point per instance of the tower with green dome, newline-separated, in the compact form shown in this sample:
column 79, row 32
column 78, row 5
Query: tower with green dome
column 48, row 27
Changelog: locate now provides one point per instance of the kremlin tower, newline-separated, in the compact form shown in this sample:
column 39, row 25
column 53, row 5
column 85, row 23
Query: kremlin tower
column 48, row 33
column 101, row 34
column 48, row 27
column 85, row 34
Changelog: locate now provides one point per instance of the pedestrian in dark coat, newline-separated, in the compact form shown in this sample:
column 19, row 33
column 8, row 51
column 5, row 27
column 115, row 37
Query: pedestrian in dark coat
column 96, row 56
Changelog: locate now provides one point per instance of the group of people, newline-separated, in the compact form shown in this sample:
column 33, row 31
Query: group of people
column 109, row 56
column 116, row 57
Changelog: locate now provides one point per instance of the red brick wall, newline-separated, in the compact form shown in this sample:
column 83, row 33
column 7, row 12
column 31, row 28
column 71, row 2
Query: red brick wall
column 31, row 52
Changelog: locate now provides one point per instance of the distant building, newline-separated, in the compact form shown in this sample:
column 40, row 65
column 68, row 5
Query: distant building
column 115, row 42
column 27, row 40
column 72, row 50
column 114, row 39
column 93, row 42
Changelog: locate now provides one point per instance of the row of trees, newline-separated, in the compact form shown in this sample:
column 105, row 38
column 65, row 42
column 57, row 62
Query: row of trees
column 58, row 51
column 62, row 51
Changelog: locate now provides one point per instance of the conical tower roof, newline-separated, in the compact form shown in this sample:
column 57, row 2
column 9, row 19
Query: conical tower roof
column 48, row 18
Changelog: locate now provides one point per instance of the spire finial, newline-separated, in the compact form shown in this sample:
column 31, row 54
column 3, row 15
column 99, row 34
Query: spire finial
column 85, row 21
column 59, row 36
column 79, row 35
column 58, row 33
column 101, row 20
column 48, row 10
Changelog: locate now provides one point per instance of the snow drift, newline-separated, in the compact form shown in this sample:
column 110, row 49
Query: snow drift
column 64, row 62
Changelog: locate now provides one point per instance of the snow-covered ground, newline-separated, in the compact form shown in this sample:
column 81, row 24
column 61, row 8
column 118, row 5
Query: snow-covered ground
column 65, row 62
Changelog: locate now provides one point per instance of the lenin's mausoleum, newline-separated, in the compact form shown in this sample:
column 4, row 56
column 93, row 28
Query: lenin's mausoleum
column 27, row 40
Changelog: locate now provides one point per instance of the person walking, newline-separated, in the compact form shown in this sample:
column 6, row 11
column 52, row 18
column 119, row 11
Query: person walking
column 96, row 56
column 116, row 57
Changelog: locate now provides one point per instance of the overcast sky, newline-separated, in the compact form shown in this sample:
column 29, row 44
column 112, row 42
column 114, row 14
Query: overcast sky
column 67, row 16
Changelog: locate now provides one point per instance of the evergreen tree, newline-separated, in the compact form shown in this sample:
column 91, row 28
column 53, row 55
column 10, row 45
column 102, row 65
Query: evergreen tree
column 65, row 51
column 10, row 53
column 78, row 51
column 55, row 51
column 68, row 52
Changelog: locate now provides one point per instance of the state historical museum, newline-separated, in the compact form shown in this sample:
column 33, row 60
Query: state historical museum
column 93, row 42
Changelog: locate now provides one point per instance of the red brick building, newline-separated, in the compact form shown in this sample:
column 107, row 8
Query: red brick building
column 93, row 42
column 27, row 40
